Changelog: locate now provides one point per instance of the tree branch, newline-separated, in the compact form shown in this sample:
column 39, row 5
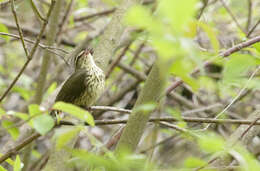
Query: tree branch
column 30, row 56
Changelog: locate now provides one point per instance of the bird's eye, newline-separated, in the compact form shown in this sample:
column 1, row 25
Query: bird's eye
column 77, row 57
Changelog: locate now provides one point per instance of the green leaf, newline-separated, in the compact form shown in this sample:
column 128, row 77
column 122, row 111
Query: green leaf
column 194, row 162
column 246, row 160
column 9, row 160
column 179, row 13
column 65, row 138
column 211, row 142
column 43, row 123
column 165, row 48
column 207, row 83
column 34, row 109
column 2, row 168
column 182, row 68
column 71, row 21
column 4, row 29
column 22, row 116
column 141, row 17
column 83, row 3
column 17, row 164
column 11, row 129
column 36, row 154
column 25, row 93
column 75, row 111
column 257, row 46
column 237, row 67
column 2, row 112
column 175, row 112
column 211, row 34
column 111, row 2
column 52, row 88
column 80, row 36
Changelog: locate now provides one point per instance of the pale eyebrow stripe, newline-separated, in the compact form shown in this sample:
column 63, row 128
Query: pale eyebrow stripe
column 76, row 59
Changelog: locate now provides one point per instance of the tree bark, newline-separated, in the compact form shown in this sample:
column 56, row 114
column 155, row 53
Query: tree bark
column 151, row 93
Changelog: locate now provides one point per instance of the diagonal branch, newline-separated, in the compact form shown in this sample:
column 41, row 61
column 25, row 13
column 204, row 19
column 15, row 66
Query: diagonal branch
column 31, row 53
column 226, row 53
column 19, row 28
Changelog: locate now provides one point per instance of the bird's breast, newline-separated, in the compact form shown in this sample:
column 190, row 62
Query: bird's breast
column 94, row 83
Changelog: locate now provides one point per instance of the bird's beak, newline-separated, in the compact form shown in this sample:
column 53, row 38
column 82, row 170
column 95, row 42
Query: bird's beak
column 86, row 52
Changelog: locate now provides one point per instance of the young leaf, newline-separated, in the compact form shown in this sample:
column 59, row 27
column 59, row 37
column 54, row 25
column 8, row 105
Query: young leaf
column 34, row 109
column 17, row 164
column 52, row 87
column 2, row 169
column 182, row 68
column 194, row 162
column 25, row 93
column 64, row 138
column 22, row 116
column 11, row 129
column 2, row 112
column 9, row 160
column 4, row 29
column 174, row 9
column 211, row 34
column 43, row 123
column 141, row 17
column 246, row 160
column 237, row 66
column 75, row 111
column 211, row 143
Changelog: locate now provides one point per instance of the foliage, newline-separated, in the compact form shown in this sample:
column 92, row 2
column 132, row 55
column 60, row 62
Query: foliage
column 172, row 31
column 75, row 111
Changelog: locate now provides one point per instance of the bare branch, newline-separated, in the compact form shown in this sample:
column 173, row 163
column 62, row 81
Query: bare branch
column 31, row 53
column 19, row 28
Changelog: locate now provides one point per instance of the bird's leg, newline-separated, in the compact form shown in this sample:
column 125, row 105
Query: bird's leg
column 85, row 107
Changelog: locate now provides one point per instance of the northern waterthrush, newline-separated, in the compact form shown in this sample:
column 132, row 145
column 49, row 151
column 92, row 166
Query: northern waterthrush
column 85, row 85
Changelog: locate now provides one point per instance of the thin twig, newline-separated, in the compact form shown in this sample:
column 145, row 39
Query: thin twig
column 250, row 126
column 115, row 138
column 123, row 121
column 249, row 14
column 31, row 53
column 19, row 28
column 22, row 144
column 137, row 74
column 36, row 11
column 34, row 32
column 232, row 15
column 4, row 4
column 121, row 75
column 171, row 119
column 159, row 143
column 205, row 4
column 182, row 130
column 64, row 20
column 240, row 46
column 253, row 28
column 226, row 53
column 102, row 13
column 109, row 108
column 48, row 48
column 237, row 96
column 117, row 60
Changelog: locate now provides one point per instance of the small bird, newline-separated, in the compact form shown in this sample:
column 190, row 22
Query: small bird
column 85, row 85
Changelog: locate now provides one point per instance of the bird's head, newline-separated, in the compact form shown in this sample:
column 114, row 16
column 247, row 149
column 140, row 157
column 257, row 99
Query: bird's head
column 84, row 59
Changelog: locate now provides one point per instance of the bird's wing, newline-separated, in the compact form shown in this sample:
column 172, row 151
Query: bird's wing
column 72, row 88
